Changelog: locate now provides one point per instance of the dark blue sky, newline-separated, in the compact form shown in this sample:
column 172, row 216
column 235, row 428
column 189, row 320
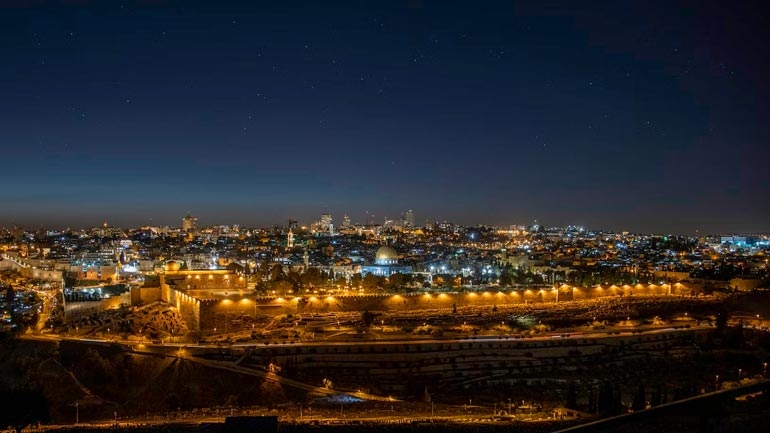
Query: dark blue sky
column 641, row 116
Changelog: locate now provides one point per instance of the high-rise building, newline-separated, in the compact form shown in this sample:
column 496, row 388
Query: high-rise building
column 290, row 239
column 409, row 218
column 326, row 220
column 324, row 225
column 189, row 222
column 345, row 221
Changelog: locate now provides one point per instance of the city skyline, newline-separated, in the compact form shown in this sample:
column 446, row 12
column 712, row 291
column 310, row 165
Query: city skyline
column 646, row 117
column 316, row 224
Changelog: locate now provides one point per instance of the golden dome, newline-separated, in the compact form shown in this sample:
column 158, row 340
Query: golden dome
column 172, row 266
column 386, row 256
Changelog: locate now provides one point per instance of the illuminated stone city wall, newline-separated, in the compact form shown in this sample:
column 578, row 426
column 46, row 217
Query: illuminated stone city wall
column 319, row 304
column 28, row 271
column 174, row 284
column 203, row 280
column 188, row 307
column 99, row 273
column 43, row 274
column 75, row 310
column 216, row 313
column 145, row 295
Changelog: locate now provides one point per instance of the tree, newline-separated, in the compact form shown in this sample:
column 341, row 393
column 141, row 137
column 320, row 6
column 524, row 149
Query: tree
column 640, row 399
column 655, row 400
column 398, row 281
column 721, row 322
column 368, row 318
column 608, row 401
column 571, row 399
column 372, row 281
column 22, row 408
column 276, row 272
column 282, row 287
column 312, row 277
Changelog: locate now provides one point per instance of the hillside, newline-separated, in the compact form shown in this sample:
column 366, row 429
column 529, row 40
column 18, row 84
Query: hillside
column 106, row 380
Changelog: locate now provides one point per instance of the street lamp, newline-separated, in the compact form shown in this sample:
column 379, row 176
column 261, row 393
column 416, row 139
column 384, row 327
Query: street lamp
column 764, row 370
column 77, row 414
column 716, row 382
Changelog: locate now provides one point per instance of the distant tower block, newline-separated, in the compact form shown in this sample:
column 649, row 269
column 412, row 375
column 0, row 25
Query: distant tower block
column 326, row 220
column 189, row 222
column 346, row 221
column 409, row 218
column 290, row 239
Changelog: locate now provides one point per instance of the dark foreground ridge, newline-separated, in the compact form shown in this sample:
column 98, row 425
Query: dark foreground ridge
column 742, row 409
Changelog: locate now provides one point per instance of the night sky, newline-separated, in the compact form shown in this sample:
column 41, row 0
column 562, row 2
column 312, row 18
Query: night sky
column 641, row 116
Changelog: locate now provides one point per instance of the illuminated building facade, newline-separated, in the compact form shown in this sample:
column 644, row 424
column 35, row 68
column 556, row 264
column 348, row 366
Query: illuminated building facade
column 385, row 264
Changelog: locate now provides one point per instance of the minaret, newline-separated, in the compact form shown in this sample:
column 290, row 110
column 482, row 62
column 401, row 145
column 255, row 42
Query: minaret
column 290, row 239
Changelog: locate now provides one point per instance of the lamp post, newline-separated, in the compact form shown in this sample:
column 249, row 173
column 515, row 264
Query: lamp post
column 77, row 414
column 716, row 382
column 764, row 370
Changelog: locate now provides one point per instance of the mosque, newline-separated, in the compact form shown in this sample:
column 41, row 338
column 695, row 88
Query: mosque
column 385, row 264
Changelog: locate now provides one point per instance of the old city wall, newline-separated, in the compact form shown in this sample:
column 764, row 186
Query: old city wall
column 189, row 308
column 75, row 310
column 416, row 301
column 145, row 295
column 32, row 272
column 248, row 306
